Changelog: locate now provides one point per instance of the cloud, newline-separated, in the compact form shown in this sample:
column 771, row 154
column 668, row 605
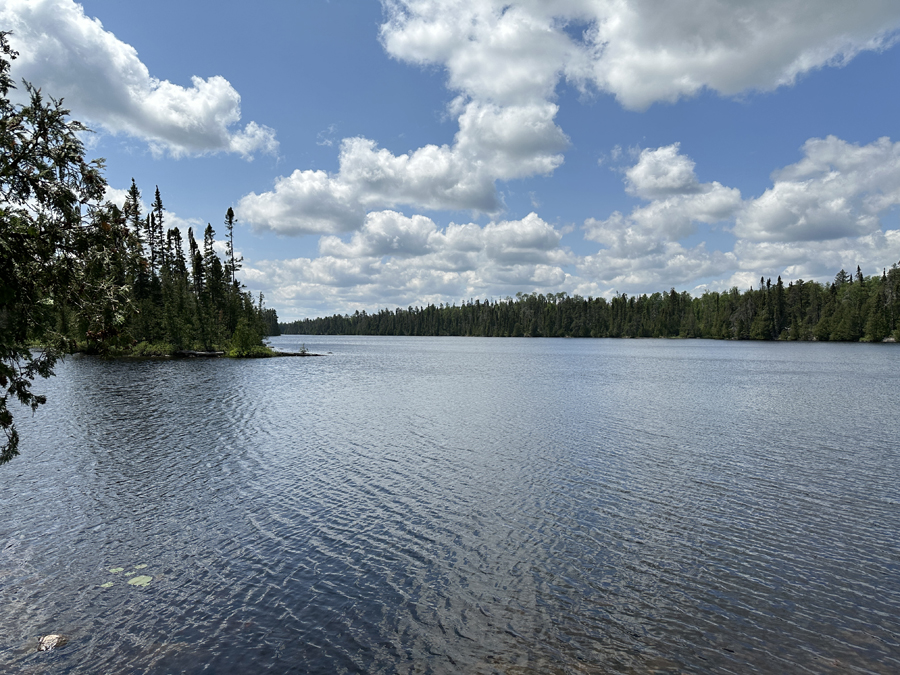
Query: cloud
column 819, row 259
column 326, row 136
column 385, row 233
column 530, row 240
column 821, row 214
column 642, row 251
column 678, row 201
column 504, row 60
column 837, row 190
column 649, row 266
column 508, row 53
column 305, row 202
column 644, row 51
column 492, row 143
column 104, row 82
column 401, row 260
column 662, row 172
column 640, row 51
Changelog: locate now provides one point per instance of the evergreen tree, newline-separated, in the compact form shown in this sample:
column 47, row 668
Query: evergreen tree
column 132, row 209
column 196, row 262
column 778, row 309
column 158, row 250
column 232, row 263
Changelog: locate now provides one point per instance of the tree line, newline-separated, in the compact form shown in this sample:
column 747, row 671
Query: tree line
column 851, row 308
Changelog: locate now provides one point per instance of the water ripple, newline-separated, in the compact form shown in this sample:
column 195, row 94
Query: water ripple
column 461, row 505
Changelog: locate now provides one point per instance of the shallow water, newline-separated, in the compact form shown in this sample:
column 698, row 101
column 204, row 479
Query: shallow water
column 461, row 505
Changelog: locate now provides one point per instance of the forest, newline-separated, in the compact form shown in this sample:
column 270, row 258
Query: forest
column 851, row 308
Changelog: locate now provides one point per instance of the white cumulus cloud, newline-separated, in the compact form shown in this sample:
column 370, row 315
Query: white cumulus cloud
column 662, row 172
column 402, row 260
column 104, row 82
column 678, row 201
column 817, row 259
column 504, row 60
column 644, row 51
column 511, row 53
column 821, row 214
column 837, row 190
column 492, row 143
column 641, row 51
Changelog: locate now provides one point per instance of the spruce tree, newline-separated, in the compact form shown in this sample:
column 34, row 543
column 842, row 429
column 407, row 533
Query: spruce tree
column 232, row 263
column 132, row 208
column 158, row 252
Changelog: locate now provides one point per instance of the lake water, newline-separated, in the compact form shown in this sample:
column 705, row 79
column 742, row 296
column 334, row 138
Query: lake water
column 416, row 505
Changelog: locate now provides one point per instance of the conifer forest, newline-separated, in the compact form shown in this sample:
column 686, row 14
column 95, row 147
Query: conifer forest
column 851, row 308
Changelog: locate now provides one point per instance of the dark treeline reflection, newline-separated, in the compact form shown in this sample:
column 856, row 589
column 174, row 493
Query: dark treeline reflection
column 851, row 308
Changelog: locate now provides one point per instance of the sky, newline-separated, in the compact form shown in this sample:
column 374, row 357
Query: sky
column 407, row 152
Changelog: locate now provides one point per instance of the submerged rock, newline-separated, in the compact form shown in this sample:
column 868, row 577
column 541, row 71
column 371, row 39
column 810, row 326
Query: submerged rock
column 50, row 642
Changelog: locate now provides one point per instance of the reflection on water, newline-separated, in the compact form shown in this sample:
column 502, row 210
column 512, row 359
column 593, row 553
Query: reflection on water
column 461, row 505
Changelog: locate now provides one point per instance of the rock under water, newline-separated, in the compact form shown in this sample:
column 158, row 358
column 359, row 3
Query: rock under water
column 54, row 641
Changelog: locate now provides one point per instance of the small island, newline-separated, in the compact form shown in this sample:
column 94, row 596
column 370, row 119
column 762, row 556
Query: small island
column 179, row 297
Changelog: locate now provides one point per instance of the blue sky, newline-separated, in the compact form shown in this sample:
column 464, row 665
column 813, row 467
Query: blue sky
column 382, row 154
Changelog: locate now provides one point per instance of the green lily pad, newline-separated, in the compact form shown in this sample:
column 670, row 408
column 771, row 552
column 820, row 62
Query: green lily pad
column 128, row 574
column 139, row 567
column 116, row 570
column 108, row 584
column 140, row 580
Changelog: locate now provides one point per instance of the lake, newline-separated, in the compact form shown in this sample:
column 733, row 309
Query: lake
column 476, row 505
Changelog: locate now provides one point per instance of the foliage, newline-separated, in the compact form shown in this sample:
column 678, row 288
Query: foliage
column 852, row 308
column 60, row 253
column 254, row 352
column 246, row 342
column 270, row 322
column 151, row 349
